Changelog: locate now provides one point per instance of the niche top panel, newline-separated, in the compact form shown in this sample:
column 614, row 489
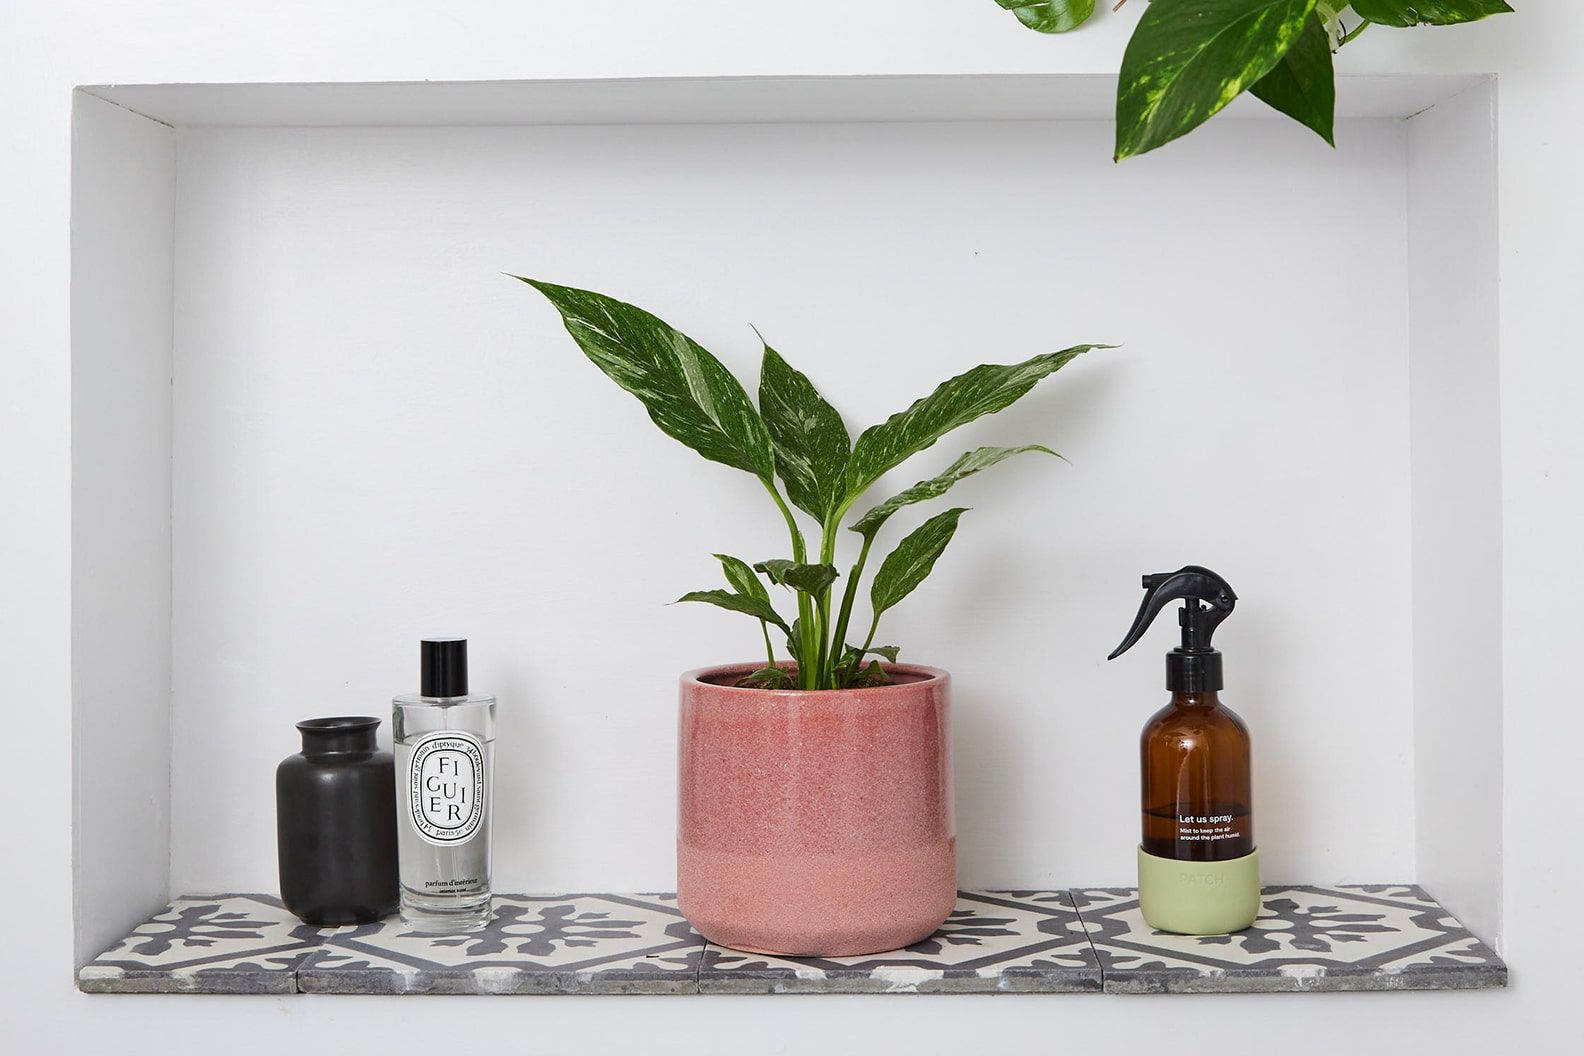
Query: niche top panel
column 1371, row 937
column 710, row 100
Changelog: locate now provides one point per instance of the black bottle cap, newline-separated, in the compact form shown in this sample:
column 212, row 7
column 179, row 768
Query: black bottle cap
column 444, row 667
column 1195, row 665
column 1198, row 672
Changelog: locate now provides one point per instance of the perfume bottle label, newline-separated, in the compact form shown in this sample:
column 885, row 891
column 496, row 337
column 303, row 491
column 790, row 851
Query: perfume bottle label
column 445, row 787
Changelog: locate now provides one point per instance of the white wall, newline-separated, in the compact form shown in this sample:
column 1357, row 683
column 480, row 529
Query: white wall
column 378, row 435
column 123, row 206
column 59, row 44
column 1456, row 430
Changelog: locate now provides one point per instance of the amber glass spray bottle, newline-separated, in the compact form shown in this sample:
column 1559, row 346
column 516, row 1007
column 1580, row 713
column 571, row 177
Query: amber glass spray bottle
column 1198, row 867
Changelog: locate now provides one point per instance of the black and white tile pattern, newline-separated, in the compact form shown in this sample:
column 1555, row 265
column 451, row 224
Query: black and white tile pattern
column 994, row 941
column 536, row 944
column 227, row 944
column 1307, row 938
column 1375, row 937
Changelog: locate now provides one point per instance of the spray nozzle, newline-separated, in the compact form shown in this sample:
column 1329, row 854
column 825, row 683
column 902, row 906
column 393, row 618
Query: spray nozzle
column 1194, row 666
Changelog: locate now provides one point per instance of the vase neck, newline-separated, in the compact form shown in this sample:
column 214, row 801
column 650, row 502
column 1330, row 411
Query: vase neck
column 338, row 735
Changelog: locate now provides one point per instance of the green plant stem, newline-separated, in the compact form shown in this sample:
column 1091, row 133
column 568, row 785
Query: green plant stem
column 764, row 629
column 868, row 639
column 830, row 647
column 807, row 673
column 845, row 615
column 1354, row 32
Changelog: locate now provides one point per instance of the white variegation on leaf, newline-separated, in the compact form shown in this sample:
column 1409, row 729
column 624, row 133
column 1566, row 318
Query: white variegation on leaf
column 758, row 608
column 913, row 559
column 983, row 390
column 805, row 578
column 688, row 393
column 809, row 437
column 933, row 488
column 799, row 437
column 742, row 578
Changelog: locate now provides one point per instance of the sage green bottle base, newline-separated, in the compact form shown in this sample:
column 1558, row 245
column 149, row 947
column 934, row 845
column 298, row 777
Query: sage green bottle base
column 1199, row 898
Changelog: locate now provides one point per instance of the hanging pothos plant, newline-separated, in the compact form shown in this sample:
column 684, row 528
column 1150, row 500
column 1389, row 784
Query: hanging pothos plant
column 1189, row 58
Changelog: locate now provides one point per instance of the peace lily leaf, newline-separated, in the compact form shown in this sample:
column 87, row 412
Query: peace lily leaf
column 742, row 578
column 795, row 639
column 756, row 607
column 1189, row 58
column 983, row 390
column 810, row 579
column 1428, row 12
column 767, row 678
column 969, row 464
column 1050, row 16
column 688, row 393
column 1303, row 84
column 810, row 441
column 775, row 568
column 913, row 559
column 852, row 656
column 873, row 675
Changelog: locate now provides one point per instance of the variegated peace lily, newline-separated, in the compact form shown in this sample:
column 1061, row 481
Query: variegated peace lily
column 798, row 437
column 1189, row 58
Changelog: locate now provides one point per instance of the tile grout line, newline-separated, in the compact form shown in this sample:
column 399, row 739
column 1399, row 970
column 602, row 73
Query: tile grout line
column 1072, row 897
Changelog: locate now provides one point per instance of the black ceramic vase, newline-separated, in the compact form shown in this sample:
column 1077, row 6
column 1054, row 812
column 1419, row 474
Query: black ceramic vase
column 335, row 824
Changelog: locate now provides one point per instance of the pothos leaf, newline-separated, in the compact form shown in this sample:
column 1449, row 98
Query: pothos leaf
column 969, row 464
column 810, row 440
column 983, row 390
column 1189, row 58
column 746, row 603
column 1428, row 12
column 810, row 579
column 742, row 578
column 689, row 394
column 1303, row 83
column 1050, row 16
column 913, row 559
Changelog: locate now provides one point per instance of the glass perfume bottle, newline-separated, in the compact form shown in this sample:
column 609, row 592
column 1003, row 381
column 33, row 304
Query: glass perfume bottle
column 445, row 763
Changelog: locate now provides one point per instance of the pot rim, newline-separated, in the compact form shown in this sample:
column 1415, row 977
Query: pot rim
column 932, row 676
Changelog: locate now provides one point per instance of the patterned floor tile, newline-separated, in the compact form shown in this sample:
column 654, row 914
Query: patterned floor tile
column 536, row 944
column 1307, row 938
column 225, row 944
column 1003, row 941
column 1378, row 937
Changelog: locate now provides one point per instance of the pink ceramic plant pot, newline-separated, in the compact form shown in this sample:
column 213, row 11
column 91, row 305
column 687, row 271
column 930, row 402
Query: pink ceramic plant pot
column 816, row 823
